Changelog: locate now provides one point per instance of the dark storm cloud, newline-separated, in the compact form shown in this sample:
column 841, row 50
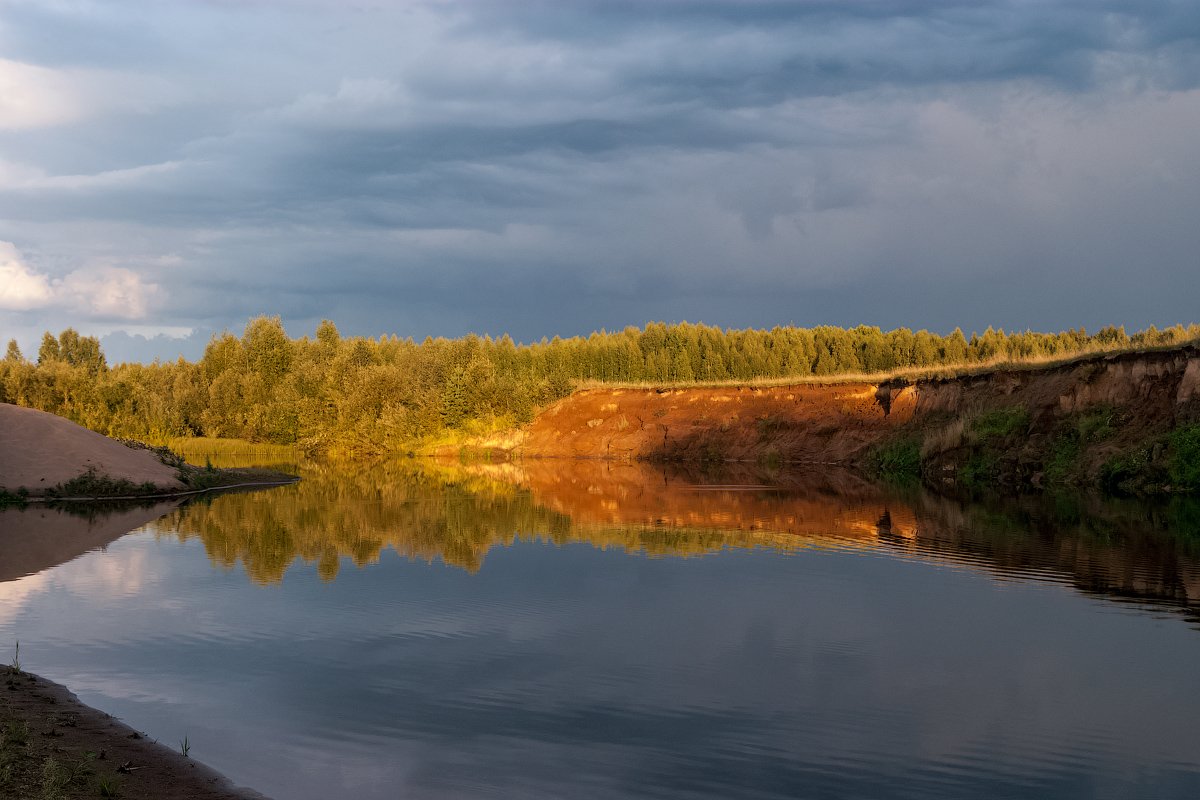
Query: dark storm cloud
column 840, row 46
column 546, row 168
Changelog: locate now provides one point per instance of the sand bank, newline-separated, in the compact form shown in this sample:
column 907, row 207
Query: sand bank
column 39, row 451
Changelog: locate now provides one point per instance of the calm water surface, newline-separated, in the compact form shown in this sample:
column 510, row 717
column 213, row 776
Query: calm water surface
column 580, row 630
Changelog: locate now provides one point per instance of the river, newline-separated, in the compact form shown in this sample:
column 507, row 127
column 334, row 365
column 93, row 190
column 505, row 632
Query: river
column 592, row 630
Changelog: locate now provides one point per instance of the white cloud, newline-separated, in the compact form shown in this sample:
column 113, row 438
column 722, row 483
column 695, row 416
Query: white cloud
column 15, row 176
column 16, row 594
column 36, row 97
column 109, row 292
column 33, row 96
column 102, row 291
column 20, row 287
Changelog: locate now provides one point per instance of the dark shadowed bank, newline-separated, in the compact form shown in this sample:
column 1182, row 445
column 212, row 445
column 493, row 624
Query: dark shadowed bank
column 52, row 745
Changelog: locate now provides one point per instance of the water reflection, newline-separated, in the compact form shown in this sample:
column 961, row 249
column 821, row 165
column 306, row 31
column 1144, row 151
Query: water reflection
column 38, row 537
column 457, row 513
column 836, row 639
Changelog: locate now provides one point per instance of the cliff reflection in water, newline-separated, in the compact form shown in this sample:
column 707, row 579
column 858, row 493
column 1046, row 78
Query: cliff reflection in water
column 457, row 513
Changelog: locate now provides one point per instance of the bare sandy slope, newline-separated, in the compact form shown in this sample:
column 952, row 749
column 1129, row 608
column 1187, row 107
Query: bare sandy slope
column 40, row 450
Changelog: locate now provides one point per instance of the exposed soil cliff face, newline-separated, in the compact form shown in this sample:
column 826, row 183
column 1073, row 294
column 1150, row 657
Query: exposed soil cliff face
column 800, row 424
column 1066, row 423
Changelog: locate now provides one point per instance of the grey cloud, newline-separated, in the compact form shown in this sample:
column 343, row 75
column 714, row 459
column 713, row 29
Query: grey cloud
column 545, row 168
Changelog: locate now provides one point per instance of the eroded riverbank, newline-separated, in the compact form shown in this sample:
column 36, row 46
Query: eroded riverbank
column 1128, row 422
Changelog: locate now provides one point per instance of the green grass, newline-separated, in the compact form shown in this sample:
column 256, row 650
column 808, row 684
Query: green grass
column 58, row 779
column 1097, row 424
column 206, row 477
column 1074, row 436
column 14, row 738
column 1063, row 461
column 16, row 734
column 202, row 450
column 898, row 461
column 34, row 768
column 55, row 779
column 108, row 786
column 94, row 484
column 1119, row 473
column 979, row 472
column 1001, row 422
column 1183, row 465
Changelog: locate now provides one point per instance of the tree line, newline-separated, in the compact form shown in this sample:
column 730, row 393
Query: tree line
column 328, row 392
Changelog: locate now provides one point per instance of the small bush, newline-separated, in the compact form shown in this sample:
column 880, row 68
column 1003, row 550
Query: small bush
column 1064, row 457
column 1183, row 465
column 1001, row 422
column 93, row 484
column 15, row 734
column 1074, row 435
column 1097, row 424
column 946, row 438
column 165, row 454
column 108, row 786
column 899, row 461
column 55, row 779
column 980, row 471
column 1119, row 472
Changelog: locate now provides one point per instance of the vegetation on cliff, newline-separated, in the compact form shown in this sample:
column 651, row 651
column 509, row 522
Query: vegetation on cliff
column 362, row 395
column 1010, row 450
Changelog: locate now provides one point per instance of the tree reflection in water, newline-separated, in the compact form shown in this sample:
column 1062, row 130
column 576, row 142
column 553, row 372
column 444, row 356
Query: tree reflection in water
column 456, row 513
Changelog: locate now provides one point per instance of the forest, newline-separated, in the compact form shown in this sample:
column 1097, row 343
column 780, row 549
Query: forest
column 356, row 395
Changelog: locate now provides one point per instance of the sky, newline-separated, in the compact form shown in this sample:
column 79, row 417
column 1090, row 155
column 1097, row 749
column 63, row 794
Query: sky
column 173, row 168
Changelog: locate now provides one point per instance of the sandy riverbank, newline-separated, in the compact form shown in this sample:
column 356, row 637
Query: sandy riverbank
column 47, row 457
column 39, row 451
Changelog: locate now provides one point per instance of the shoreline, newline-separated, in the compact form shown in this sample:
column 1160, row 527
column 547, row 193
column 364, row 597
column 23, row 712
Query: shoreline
column 49, row 738
column 160, row 496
